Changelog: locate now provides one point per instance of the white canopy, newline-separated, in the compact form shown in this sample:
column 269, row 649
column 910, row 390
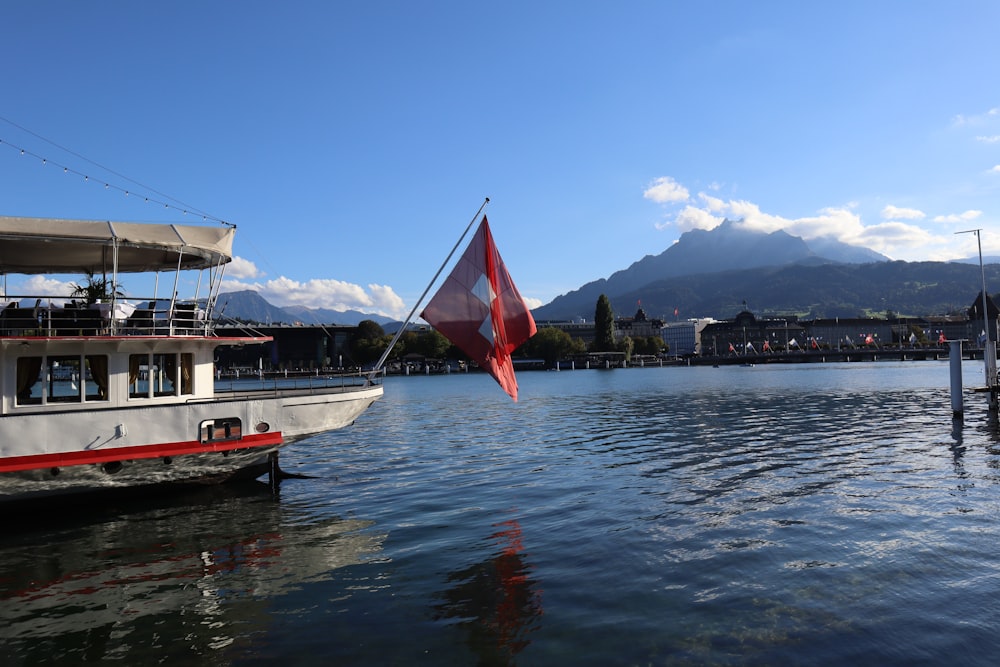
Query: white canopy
column 51, row 245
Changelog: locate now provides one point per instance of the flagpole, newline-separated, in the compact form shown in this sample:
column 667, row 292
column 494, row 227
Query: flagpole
column 409, row 317
column 990, row 351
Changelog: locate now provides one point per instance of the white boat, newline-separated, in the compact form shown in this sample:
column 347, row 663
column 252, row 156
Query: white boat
column 121, row 394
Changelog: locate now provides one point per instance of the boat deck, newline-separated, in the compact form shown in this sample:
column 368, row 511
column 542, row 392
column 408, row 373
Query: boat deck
column 60, row 317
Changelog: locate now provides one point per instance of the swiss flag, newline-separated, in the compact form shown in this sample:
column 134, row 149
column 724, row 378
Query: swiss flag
column 479, row 309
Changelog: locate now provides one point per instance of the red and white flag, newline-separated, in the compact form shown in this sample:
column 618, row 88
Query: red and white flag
column 479, row 309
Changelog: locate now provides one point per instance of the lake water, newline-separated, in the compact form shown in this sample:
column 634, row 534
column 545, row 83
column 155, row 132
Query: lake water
column 804, row 514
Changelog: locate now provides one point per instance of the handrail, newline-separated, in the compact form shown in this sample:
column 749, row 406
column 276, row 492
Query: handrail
column 53, row 316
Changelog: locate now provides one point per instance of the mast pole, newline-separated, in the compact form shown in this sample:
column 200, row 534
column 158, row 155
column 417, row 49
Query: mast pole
column 427, row 289
column 990, row 351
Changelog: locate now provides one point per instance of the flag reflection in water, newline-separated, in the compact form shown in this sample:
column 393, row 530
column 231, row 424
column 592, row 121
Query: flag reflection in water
column 496, row 601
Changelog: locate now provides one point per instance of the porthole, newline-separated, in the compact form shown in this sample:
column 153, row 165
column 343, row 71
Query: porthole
column 262, row 427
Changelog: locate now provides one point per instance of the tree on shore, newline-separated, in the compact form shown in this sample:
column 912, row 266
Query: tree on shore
column 368, row 342
column 604, row 326
column 627, row 346
column 429, row 344
column 652, row 345
column 551, row 344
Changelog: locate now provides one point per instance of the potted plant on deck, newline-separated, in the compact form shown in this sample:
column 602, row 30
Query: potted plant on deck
column 96, row 289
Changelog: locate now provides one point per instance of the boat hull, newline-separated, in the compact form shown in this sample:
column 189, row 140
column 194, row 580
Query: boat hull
column 128, row 448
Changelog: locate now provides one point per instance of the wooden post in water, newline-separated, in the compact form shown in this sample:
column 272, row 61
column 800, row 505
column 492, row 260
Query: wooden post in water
column 955, row 359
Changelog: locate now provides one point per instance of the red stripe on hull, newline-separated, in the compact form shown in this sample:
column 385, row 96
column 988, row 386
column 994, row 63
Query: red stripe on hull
column 65, row 459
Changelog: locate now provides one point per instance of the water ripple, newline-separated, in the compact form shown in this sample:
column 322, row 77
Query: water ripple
column 823, row 515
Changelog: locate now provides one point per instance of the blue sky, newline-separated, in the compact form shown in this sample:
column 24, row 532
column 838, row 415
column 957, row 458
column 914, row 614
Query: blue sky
column 351, row 142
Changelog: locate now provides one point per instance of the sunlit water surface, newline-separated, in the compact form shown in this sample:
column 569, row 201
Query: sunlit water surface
column 811, row 514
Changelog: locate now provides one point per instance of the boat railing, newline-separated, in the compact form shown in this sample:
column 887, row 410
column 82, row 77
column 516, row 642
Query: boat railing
column 55, row 316
column 317, row 381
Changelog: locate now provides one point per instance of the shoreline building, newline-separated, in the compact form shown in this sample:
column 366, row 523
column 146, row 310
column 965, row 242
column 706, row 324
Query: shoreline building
column 683, row 339
column 637, row 326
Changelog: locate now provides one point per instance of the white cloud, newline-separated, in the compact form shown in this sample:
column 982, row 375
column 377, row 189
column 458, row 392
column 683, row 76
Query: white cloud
column 242, row 268
column 895, row 213
column 325, row 293
column 712, row 203
column 958, row 217
column 995, row 169
column 991, row 139
column 695, row 218
column 386, row 299
column 903, row 233
column 990, row 241
column 532, row 303
column 665, row 190
column 887, row 236
column 753, row 218
column 41, row 285
column 977, row 119
column 841, row 224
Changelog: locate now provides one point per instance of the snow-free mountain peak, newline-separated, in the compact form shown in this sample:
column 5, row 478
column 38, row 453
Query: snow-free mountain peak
column 729, row 246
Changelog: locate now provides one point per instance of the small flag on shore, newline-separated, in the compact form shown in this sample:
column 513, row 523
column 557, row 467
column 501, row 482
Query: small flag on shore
column 479, row 309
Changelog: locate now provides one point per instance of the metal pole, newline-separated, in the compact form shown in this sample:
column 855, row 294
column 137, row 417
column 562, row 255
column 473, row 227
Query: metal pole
column 955, row 359
column 990, row 350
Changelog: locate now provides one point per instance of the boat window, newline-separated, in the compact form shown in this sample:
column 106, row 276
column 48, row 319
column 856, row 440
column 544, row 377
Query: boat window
column 96, row 377
column 63, row 378
column 29, row 380
column 164, row 379
column 187, row 373
column 152, row 375
column 138, row 375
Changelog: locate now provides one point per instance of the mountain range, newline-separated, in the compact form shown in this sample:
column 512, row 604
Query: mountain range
column 718, row 272
column 249, row 306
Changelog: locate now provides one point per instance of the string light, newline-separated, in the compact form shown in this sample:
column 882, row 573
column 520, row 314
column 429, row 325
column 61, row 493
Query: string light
column 108, row 186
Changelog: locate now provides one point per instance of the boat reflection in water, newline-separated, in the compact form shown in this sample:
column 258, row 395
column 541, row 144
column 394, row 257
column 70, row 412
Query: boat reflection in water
column 496, row 601
column 175, row 581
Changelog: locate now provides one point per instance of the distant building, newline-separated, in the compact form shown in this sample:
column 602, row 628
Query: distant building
column 293, row 348
column 638, row 326
column 684, row 338
column 745, row 333
column 977, row 327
